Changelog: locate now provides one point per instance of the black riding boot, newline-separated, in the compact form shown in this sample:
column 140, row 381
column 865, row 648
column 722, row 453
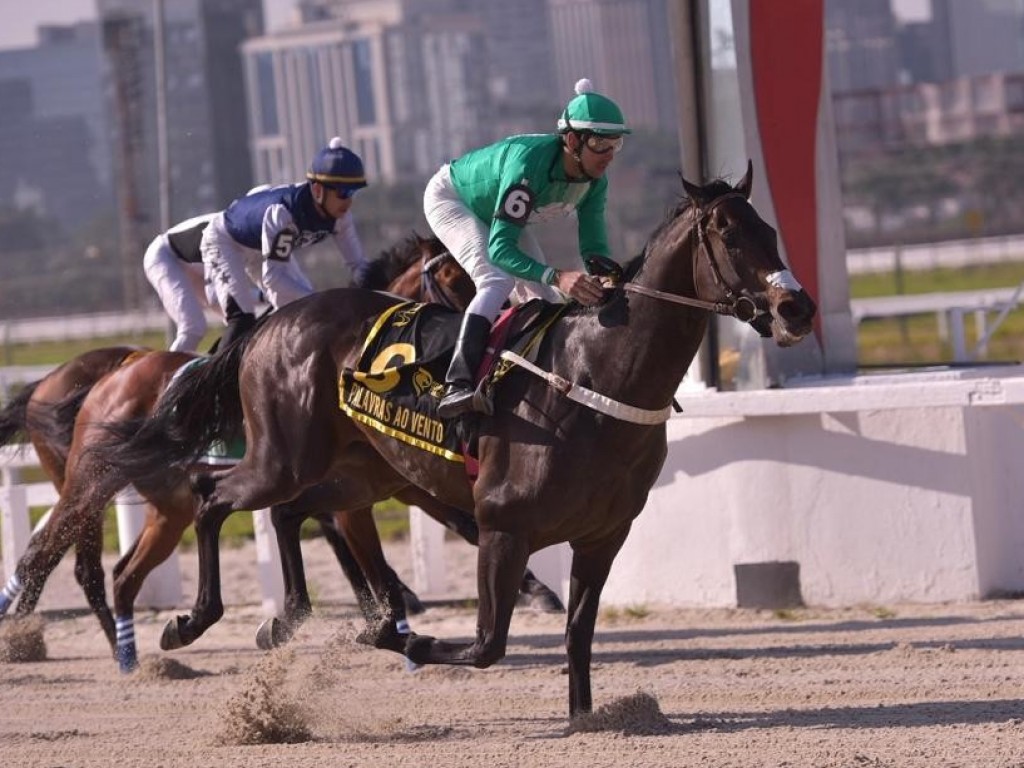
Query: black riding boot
column 239, row 324
column 469, row 351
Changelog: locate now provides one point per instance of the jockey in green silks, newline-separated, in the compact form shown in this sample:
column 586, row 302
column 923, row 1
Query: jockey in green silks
column 480, row 204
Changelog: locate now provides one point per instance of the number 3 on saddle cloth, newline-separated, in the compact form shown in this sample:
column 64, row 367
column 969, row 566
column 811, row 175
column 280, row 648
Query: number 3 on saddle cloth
column 399, row 379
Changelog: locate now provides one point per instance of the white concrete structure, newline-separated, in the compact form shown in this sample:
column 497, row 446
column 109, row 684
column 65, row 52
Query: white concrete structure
column 882, row 489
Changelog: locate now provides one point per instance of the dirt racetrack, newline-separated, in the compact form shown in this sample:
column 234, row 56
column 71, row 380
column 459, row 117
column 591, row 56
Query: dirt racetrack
column 893, row 686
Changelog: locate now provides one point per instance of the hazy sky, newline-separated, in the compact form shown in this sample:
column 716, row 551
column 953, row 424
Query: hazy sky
column 21, row 17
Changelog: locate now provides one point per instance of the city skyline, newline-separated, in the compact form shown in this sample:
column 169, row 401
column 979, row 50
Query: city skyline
column 20, row 24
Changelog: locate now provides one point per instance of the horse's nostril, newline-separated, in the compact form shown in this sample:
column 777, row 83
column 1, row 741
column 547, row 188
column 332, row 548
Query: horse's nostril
column 792, row 310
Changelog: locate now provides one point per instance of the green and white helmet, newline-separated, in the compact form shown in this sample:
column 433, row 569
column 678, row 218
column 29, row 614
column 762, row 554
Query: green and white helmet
column 591, row 112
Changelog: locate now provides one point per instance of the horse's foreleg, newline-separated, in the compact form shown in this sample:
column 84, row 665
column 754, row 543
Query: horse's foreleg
column 347, row 560
column 590, row 570
column 167, row 517
column 387, row 627
column 534, row 593
column 501, row 560
column 90, row 576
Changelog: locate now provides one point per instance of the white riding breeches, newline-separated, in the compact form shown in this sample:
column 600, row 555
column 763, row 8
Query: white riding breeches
column 232, row 271
column 466, row 236
column 179, row 285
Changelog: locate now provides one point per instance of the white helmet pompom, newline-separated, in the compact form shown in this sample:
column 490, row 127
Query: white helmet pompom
column 335, row 143
column 583, row 85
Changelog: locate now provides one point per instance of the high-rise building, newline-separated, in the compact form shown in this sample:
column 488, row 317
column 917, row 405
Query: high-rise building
column 623, row 47
column 979, row 37
column 54, row 135
column 207, row 135
column 399, row 81
column 861, row 45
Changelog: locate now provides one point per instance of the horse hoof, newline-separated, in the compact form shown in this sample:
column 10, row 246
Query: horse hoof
column 272, row 634
column 171, row 639
column 368, row 637
column 127, row 658
column 417, row 649
column 545, row 601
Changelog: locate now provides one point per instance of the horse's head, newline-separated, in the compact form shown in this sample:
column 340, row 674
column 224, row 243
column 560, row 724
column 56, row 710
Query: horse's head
column 442, row 279
column 736, row 262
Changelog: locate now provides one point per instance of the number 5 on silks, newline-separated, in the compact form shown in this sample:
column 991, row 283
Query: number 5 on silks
column 282, row 246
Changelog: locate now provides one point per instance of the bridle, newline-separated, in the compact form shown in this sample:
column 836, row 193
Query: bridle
column 738, row 303
column 432, row 290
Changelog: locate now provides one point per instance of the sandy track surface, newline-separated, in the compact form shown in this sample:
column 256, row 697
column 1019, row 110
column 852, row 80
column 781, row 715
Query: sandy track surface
column 895, row 686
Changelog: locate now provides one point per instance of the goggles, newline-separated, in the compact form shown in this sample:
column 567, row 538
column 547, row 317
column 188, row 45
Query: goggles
column 344, row 193
column 602, row 145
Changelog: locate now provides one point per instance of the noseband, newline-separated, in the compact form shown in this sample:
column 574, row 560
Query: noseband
column 738, row 303
column 432, row 290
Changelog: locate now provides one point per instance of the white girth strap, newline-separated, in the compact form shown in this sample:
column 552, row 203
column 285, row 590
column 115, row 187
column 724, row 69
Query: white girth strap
column 592, row 399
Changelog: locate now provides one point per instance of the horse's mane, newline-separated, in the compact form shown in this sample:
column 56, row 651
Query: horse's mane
column 392, row 262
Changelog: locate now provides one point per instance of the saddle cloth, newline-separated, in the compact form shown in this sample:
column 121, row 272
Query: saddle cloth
column 399, row 379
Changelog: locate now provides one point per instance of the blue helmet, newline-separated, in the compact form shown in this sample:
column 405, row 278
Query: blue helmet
column 337, row 167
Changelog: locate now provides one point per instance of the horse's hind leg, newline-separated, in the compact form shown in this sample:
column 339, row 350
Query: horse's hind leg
column 168, row 514
column 297, row 606
column 90, row 576
column 252, row 484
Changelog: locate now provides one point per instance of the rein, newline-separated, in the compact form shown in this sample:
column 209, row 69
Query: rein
column 740, row 306
column 737, row 305
column 432, row 290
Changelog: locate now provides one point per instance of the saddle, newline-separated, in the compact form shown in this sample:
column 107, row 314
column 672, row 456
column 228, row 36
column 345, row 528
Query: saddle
column 398, row 381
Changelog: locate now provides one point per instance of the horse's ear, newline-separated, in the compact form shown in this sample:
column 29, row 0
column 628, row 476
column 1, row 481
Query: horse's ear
column 747, row 181
column 694, row 192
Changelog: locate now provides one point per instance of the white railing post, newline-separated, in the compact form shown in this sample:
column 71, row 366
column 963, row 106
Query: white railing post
column 553, row 566
column 268, row 563
column 426, row 537
column 14, row 526
column 957, row 334
column 162, row 587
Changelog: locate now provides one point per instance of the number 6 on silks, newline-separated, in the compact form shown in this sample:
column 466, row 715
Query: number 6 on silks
column 516, row 205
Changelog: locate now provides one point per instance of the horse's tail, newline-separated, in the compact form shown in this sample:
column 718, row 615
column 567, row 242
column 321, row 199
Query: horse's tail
column 54, row 424
column 202, row 405
column 14, row 416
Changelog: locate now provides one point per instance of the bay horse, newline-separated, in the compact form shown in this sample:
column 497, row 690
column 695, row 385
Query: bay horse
column 568, row 463
column 116, row 383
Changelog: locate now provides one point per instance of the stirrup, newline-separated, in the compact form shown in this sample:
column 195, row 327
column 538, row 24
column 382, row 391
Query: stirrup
column 456, row 401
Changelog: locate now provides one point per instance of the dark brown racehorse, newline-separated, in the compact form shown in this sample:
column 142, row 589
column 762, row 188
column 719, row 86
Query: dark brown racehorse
column 46, row 412
column 551, row 469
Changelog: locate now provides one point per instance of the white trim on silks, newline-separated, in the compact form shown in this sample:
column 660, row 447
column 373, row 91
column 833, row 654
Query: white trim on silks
column 591, row 399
